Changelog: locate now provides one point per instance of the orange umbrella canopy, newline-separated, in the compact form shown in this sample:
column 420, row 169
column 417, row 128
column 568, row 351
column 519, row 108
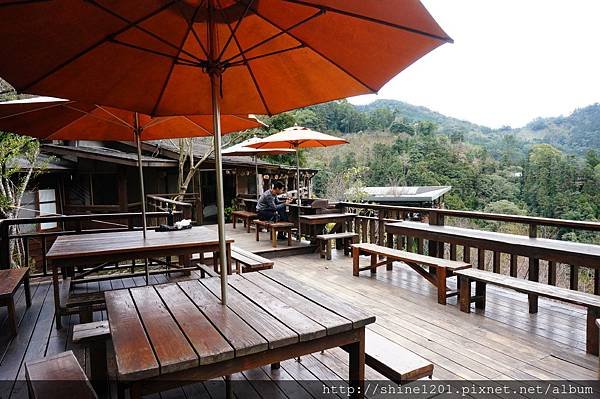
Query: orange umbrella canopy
column 152, row 56
column 298, row 137
column 51, row 118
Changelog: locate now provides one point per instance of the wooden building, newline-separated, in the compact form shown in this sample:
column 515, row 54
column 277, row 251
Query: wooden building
column 102, row 177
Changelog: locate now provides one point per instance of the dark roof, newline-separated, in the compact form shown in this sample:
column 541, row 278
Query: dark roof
column 108, row 155
column 44, row 163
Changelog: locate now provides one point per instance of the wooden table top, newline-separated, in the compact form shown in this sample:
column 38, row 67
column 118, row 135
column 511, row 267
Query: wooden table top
column 161, row 329
column 70, row 246
column 519, row 244
column 326, row 217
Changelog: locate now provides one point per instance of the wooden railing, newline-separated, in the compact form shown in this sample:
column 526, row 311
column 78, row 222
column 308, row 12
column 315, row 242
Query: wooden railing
column 371, row 219
column 161, row 204
column 189, row 204
column 33, row 246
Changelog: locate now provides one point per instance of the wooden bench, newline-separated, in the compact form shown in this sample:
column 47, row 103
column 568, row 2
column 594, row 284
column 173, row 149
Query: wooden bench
column 206, row 271
column 246, row 261
column 94, row 335
column 393, row 361
column 58, row 377
column 347, row 240
column 274, row 228
column 245, row 216
column 10, row 280
column 439, row 269
column 482, row 278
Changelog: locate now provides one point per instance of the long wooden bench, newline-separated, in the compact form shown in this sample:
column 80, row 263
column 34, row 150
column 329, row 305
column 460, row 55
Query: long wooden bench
column 274, row 228
column 346, row 239
column 482, row 278
column 439, row 269
column 10, row 280
column 245, row 216
column 246, row 261
column 58, row 377
column 393, row 361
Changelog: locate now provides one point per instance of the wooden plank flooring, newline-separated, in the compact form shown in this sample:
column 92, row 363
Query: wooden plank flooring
column 502, row 342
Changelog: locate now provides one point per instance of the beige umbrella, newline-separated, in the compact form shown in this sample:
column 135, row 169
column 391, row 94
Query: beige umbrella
column 297, row 137
column 242, row 149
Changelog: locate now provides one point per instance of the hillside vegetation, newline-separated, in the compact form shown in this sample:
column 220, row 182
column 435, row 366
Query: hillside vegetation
column 549, row 168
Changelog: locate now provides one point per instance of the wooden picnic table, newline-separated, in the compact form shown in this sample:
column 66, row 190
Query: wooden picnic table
column 176, row 333
column 70, row 251
column 318, row 222
column 572, row 253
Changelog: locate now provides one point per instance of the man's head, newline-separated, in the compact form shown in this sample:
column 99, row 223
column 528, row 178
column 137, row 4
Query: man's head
column 277, row 188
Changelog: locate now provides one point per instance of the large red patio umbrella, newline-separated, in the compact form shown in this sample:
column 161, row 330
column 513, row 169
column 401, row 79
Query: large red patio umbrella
column 297, row 137
column 244, row 149
column 49, row 118
column 167, row 57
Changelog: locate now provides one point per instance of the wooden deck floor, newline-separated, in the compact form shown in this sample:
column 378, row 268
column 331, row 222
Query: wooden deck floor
column 503, row 342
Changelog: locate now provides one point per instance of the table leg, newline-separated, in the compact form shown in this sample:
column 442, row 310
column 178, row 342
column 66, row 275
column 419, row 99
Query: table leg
column 57, row 316
column 441, row 285
column 357, row 365
column 27, row 289
column 228, row 255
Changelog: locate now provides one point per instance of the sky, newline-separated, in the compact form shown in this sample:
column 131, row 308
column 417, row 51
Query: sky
column 511, row 61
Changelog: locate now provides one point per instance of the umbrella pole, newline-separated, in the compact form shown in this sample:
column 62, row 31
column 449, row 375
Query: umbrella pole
column 215, row 78
column 258, row 189
column 137, row 132
column 298, row 191
column 138, row 142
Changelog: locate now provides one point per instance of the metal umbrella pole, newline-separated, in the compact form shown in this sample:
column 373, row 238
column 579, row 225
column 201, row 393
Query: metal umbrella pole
column 298, row 190
column 137, row 131
column 215, row 73
column 258, row 189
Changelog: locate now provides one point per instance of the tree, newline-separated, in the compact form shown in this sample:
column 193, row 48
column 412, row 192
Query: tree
column 18, row 163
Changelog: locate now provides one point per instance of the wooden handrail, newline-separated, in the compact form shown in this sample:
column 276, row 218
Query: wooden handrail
column 168, row 201
column 529, row 220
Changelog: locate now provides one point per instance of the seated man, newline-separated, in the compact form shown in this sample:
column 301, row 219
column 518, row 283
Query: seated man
column 270, row 208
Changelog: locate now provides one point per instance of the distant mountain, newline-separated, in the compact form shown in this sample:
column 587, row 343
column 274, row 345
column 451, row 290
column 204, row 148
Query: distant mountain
column 576, row 133
column 419, row 113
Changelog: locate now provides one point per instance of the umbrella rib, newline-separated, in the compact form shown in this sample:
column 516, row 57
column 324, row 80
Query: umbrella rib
column 113, row 115
column 285, row 50
column 166, row 82
column 195, row 34
column 237, row 25
column 251, row 72
column 370, row 19
column 282, row 32
column 175, row 58
column 94, row 46
column 146, row 31
column 319, row 53
column 18, row 3
column 35, row 110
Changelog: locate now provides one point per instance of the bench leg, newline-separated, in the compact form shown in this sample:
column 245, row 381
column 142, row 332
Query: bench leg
column 373, row 263
column 86, row 315
column 234, row 220
column 591, row 342
column 289, row 237
column 248, row 225
column 441, row 285
column 238, row 268
column 355, row 261
column 257, row 231
column 464, row 295
column 328, row 249
column 275, row 366
column 273, row 237
column 98, row 366
column 480, row 294
column 321, row 249
column 534, row 275
column 27, row 290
